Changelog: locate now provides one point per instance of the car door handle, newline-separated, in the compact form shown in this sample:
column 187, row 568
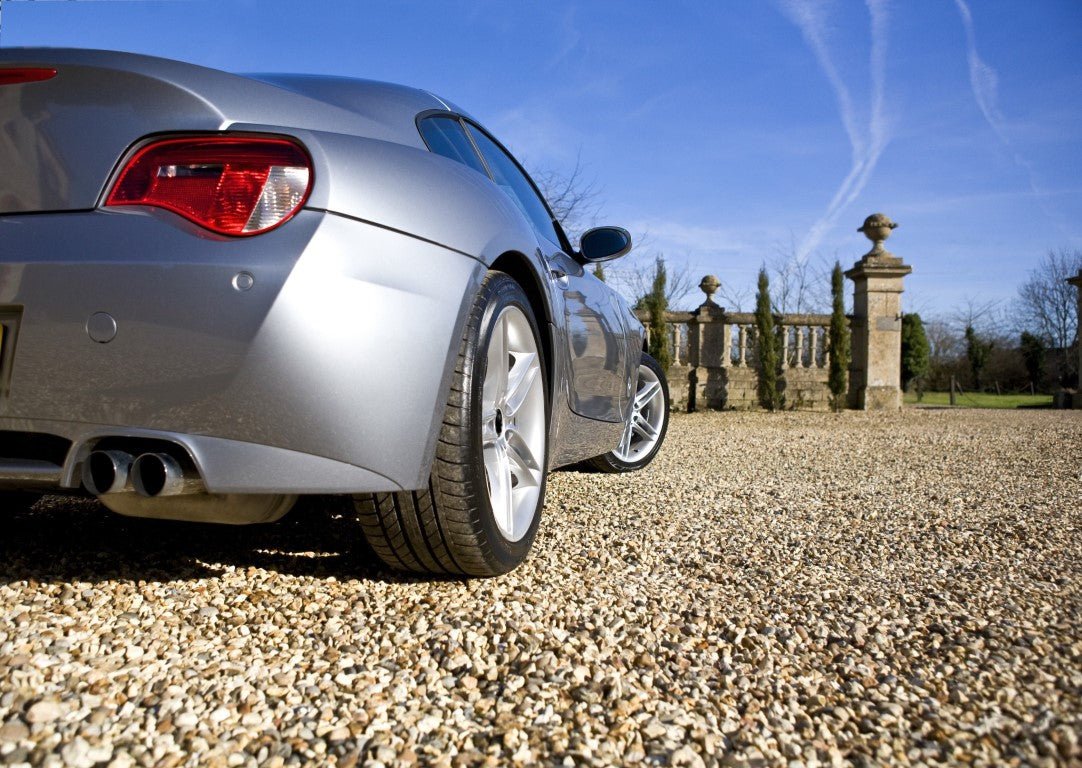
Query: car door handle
column 560, row 276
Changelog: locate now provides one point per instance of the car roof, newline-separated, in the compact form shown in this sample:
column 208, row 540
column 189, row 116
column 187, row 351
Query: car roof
column 387, row 103
column 366, row 107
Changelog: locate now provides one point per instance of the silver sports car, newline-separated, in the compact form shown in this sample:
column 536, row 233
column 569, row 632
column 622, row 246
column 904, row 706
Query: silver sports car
column 220, row 292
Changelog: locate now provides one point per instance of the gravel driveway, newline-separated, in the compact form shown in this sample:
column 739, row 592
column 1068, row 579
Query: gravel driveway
column 800, row 589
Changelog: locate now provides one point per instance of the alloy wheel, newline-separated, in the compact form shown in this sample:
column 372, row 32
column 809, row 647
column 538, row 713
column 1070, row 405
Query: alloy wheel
column 643, row 429
column 513, row 423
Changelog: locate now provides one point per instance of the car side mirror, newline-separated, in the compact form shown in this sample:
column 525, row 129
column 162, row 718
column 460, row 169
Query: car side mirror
column 604, row 243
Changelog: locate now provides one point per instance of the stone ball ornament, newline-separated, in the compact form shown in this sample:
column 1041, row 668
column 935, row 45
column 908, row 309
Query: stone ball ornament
column 709, row 285
column 877, row 228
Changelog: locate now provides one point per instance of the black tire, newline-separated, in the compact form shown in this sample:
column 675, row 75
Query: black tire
column 449, row 528
column 610, row 462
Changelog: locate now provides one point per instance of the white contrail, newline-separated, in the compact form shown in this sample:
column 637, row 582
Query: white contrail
column 985, row 84
column 867, row 140
column 982, row 78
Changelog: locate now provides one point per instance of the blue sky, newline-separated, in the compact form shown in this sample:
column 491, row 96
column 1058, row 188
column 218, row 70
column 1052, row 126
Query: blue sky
column 728, row 131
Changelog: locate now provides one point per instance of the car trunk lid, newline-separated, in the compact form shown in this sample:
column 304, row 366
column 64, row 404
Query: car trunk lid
column 62, row 136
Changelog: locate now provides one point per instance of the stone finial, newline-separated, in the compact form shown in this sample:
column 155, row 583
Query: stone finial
column 709, row 285
column 877, row 228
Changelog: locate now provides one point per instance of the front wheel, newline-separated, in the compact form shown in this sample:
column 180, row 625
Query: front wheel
column 648, row 421
column 482, row 507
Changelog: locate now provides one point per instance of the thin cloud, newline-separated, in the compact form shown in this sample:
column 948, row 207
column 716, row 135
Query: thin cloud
column 867, row 137
column 671, row 236
column 536, row 134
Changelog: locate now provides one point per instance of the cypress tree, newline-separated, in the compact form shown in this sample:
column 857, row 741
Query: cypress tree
column 916, row 355
column 838, row 341
column 657, row 304
column 767, row 340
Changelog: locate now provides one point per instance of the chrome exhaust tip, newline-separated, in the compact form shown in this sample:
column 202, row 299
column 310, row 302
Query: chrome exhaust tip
column 107, row 472
column 159, row 474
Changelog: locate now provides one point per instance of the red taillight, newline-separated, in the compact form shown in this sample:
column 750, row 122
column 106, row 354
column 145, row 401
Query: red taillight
column 16, row 75
column 229, row 184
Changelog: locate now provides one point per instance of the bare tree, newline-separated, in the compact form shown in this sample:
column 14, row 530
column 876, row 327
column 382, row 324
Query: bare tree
column 572, row 197
column 946, row 351
column 798, row 284
column 737, row 298
column 633, row 276
column 575, row 203
column 944, row 343
column 1046, row 303
column 987, row 317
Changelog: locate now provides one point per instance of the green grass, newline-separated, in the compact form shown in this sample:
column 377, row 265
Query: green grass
column 980, row 400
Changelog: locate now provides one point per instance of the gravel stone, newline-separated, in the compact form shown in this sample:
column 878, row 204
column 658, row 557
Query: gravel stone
column 44, row 712
column 13, row 731
column 776, row 589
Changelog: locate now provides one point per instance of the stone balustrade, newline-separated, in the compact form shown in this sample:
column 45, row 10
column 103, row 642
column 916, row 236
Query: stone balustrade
column 716, row 351
column 714, row 361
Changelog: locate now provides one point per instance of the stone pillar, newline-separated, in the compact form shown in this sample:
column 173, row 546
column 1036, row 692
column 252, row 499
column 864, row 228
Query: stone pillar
column 1077, row 282
column 705, row 342
column 875, row 374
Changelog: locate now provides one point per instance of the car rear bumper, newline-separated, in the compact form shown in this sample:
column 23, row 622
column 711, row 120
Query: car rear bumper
column 327, row 375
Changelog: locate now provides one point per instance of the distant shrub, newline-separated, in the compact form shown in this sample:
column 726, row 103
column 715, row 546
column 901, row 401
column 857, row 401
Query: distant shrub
column 977, row 352
column 1033, row 354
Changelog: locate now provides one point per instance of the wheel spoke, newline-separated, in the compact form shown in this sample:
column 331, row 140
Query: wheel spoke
column 625, row 440
column 520, row 380
column 524, row 465
column 646, row 394
column 498, row 473
column 489, row 432
column 644, row 428
column 495, row 388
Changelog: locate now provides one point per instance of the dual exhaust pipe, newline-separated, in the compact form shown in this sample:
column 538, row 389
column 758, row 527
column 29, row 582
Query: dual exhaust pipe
column 150, row 474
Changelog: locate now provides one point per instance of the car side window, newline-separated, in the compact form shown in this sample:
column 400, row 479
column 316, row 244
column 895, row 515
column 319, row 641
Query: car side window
column 506, row 173
column 444, row 136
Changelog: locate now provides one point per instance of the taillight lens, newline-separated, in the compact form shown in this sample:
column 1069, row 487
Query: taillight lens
column 16, row 75
column 230, row 185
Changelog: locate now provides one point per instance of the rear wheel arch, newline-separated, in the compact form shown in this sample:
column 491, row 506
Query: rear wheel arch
column 525, row 274
column 480, row 511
